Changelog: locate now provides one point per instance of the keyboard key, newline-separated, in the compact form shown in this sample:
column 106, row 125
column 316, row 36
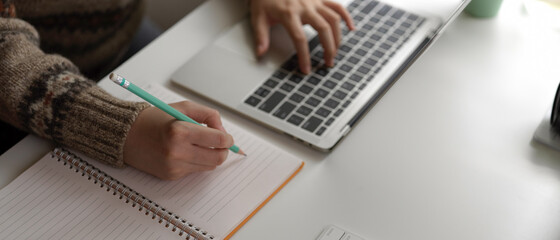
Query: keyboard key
column 371, row 62
column 321, row 131
column 339, row 56
column 375, row 37
column 253, row 101
column 392, row 39
column 262, row 92
column 358, row 18
column 356, row 78
column 280, row 74
column 321, row 93
column 389, row 23
column 314, row 63
column 296, row 98
column 354, row 95
column 367, row 27
column 353, row 41
column 329, row 122
column 329, row 84
column 382, row 30
column 385, row 46
column 353, row 60
column 339, row 94
column 295, row 119
column 311, row 124
column 406, row 25
column 313, row 101
column 399, row 32
column 360, row 33
column 348, row 86
column 398, row 14
column 305, row 89
column 323, row 112
column 303, row 110
column 346, row 104
column 371, row 5
column 332, row 103
column 287, row 87
column 361, row 52
column 322, row 71
column 384, row 10
column 284, row 110
column 363, row 70
column 291, row 64
column 271, row 102
column 378, row 54
column 345, row 48
column 368, row 44
column 337, row 76
column 338, row 112
column 313, row 80
column 314, row 43
column 271, row 83
column 296, row 78
column 345, row 68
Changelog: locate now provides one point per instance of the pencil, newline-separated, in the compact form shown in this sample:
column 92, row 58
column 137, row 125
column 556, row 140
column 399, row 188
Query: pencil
column 159, row 104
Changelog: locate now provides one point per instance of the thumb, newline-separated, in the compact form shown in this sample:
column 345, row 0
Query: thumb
column 261, row 30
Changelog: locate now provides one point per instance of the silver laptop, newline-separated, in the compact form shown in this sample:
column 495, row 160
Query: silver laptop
column 322, row 107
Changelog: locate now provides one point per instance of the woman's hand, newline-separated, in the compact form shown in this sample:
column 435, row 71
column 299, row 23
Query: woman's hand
column 170, row 149
column 323, row 15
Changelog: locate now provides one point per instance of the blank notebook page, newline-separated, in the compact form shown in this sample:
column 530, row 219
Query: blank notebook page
column 51, row 201
column 217, row 201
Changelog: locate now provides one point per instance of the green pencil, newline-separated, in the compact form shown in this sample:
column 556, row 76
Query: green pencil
column 159, row 104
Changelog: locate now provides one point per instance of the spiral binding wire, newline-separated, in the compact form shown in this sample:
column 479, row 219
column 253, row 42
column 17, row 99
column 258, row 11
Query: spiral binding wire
column 169, row 219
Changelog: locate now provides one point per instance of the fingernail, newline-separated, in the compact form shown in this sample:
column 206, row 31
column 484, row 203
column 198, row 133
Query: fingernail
column 262, row 48
column 307, row 70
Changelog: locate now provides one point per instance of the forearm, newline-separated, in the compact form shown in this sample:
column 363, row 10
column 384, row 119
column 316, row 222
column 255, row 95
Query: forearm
column 46, row 95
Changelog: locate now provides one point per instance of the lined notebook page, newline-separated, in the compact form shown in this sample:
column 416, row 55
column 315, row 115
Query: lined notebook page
column 217, row 201
column 51, row 201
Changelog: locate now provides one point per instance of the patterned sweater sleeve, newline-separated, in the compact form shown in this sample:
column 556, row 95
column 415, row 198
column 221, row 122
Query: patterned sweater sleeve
column 46, row 95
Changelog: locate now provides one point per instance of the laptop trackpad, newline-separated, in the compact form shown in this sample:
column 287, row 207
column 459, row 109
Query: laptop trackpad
column 222, row 75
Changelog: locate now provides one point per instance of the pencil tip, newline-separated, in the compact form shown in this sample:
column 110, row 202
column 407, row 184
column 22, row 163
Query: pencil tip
column 242, row 153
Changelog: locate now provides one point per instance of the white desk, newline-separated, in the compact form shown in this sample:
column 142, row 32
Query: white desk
column 445, row 154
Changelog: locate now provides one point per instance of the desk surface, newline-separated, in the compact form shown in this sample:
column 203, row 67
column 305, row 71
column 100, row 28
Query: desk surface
column 447, row 153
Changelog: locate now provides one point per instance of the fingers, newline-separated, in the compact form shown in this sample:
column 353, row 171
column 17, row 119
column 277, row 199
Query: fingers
column 293, row 23
column 334, row 20
column 261, row 31
column 201, row 114
column 204, row 137
column 341, row 12
column 325, row 36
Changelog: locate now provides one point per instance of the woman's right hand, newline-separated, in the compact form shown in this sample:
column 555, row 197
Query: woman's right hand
column 170, row 149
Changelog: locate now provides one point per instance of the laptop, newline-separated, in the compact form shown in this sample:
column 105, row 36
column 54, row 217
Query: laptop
column 318, row 109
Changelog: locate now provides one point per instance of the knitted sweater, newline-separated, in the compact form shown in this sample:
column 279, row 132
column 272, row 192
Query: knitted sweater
column 41, row 88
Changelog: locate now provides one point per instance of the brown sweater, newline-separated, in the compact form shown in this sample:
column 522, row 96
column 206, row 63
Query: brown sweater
column 41, row 88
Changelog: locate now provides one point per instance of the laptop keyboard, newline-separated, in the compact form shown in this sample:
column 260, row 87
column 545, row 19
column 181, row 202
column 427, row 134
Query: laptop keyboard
column 314, row 101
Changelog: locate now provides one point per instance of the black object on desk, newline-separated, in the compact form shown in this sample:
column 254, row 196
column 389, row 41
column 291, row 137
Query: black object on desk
column 554, row 116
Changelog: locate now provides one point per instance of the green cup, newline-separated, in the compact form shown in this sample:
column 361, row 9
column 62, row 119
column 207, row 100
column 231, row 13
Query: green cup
column 483, row 8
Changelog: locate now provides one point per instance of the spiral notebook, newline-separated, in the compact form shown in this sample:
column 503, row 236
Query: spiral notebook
column 66, row 195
